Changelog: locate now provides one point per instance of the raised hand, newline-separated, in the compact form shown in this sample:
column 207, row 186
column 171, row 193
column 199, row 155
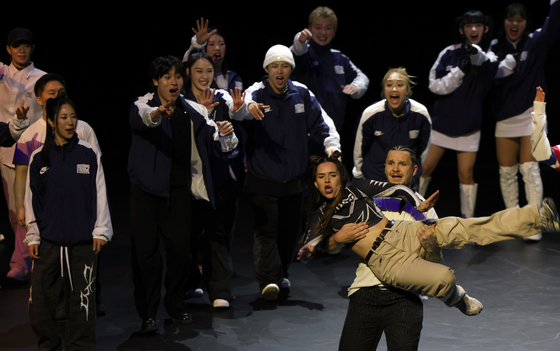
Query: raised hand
column 162, row 111
column 429, row 203
column 540, row 95
column 305, row 35
column 201, row 31
column 238, row 99
column 205, row 99
column 21, row 112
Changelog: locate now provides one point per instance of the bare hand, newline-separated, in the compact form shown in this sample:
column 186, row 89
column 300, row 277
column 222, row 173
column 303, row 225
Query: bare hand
column 305, row 35
column 332, row 151
column 305, row 252
column 201, row 31
column 540, row 95
column 238, row 99
column 351, row 232
column 162, row 111
column 206, row 99
column 225, row 127
column 429, row 203
column 349, row 89
column 21, row 112
column 34, row 251
column 98, row 244
column 428, row 240
column 255, row 109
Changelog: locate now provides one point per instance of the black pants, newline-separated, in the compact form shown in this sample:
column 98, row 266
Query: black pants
column 212, row 232
column 76, row 284
column 373, row 311
column 278, row 225
column 156, row 220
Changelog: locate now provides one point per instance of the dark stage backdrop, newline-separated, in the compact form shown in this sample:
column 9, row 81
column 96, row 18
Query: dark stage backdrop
column 104, row 52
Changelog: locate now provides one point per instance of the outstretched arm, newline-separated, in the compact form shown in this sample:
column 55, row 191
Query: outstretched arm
column 540, row 146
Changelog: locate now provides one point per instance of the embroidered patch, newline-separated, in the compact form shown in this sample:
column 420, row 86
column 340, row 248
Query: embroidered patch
column 83, row 169
column 339, row 69
column 300, row 108
column 413, row 134
column 523, row 56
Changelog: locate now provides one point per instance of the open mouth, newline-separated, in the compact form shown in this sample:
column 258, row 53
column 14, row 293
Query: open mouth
column 396, row 178
column 328, row 189
column 217, row 57
column 394, row 99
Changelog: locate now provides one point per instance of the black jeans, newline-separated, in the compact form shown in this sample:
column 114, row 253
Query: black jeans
column 278, row 222
column 373, row 311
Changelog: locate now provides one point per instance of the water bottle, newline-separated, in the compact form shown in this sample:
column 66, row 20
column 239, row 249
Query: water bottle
column 226, row 141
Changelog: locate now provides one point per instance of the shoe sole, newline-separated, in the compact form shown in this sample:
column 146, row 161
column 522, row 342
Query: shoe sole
column 549, row 207
column 270, row 292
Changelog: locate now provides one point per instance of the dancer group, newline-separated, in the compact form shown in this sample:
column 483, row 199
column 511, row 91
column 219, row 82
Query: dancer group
column 199, row 138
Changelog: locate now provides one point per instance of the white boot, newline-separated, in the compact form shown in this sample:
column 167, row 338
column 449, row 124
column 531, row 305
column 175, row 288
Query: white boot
column 423, row 186
column 533, row 188
column 467, row 193
column 509, row 186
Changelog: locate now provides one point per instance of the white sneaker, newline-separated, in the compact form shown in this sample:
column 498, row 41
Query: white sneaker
column 221, row 303
column 285, row 284
column 534, row 238
column 469, row 305
column 270, row 292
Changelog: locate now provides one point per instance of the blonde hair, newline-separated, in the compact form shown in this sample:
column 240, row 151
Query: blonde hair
column 323, row 11
column 405, row 76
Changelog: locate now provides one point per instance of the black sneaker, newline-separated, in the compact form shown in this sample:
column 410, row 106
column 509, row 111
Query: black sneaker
column 549, row 216
column 184, row 318
column 148, row 326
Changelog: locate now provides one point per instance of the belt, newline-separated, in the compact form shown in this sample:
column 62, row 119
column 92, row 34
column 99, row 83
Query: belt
column 379, row 239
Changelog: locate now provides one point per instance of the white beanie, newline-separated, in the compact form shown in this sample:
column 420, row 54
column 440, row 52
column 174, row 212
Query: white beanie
column 279, row 53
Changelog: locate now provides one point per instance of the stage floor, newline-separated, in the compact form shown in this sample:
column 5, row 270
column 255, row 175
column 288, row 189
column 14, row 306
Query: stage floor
column 518, row 283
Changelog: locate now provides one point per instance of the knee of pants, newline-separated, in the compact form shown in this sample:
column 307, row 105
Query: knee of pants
column 445, row 279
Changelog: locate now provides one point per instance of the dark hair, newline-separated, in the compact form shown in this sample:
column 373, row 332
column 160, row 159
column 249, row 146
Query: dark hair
column 413, row 157
column 161, row 66
column 224, row 61
column 470, row 17
column 316, row 199
column 193, row 58
column 53, row 107
column 501, row 46
column 42, row 82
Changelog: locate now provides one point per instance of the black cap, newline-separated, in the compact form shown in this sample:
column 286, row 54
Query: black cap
column 18, row 35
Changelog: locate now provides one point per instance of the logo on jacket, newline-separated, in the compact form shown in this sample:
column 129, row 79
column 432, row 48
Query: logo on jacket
column 300, row 108
column 378, row 133
column 83, row 169
column 339, row 69
column 413, row 134
column 44, row 169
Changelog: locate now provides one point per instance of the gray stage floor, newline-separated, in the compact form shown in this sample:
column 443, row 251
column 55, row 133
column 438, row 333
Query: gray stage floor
column 518, row 283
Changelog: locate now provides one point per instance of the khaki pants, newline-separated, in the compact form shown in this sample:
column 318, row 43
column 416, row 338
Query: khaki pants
column 399, row 260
